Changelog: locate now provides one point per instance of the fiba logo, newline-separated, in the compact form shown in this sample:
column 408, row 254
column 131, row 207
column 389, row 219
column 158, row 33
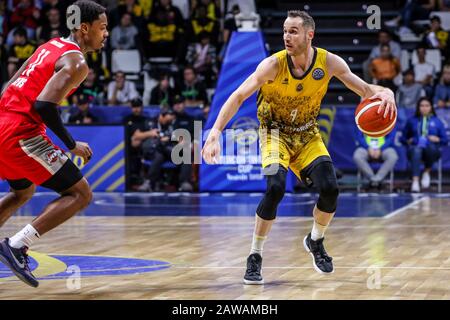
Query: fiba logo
column 318, row 74
column 245, row 131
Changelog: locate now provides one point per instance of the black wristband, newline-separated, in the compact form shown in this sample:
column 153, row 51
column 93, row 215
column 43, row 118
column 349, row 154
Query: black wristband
column 50, row 116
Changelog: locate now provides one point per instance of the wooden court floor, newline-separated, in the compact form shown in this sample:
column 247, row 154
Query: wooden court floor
column 404, row 256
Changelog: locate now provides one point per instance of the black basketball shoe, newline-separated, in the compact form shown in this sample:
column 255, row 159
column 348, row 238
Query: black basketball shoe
column 253, row 272
column 322, row 262
column 17, row 261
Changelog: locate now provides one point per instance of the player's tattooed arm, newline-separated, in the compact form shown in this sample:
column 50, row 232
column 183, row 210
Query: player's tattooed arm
column 339, row 68
column 16, row 75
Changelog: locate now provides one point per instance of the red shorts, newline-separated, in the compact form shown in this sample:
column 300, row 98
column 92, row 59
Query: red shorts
column 34, row 158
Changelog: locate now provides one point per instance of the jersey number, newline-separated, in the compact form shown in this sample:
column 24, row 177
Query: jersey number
column 41, row 56
column 294, row 114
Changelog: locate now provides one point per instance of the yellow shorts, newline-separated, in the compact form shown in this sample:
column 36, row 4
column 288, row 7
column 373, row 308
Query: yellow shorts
column 290, row 152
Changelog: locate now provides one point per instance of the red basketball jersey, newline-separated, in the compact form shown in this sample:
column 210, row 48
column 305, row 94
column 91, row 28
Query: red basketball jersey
column 18, row 99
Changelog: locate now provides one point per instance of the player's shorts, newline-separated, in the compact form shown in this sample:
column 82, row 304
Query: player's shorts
column 288, row 151
column 36, row 160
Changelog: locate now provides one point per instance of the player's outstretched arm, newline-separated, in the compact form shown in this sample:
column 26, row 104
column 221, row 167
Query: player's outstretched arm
column 70, row 71
column 339, row 68
column 266, row 71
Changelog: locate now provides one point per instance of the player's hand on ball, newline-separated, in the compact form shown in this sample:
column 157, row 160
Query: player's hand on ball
column 83, row 150
column 387, row 103
column 211, row 149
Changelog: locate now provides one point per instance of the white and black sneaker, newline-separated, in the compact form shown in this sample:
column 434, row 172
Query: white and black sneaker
column 253, row 272
column 322, row 262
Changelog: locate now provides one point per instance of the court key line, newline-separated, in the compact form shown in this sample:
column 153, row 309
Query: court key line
column 402, row 209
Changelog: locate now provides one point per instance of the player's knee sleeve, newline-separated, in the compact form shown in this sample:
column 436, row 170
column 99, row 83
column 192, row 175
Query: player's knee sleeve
column 276, row 187
column 324, row 179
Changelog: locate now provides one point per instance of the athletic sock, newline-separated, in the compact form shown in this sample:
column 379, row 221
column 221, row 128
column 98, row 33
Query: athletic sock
column 24, row 237
column 318, row 231
column 258, row 244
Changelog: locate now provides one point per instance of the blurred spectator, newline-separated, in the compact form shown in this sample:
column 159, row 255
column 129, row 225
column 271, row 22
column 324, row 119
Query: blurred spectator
column 212, row 8
column 3, row 19
column 53, row 23
column 136, row 122
column 436, row 37
column 127, row 6
column 442, row 91
column 375, row 150
column 124, row 35
column 21, row 50
column 183, row 120
column 444, row 5
column 384, row 38
column 229, row 27
column 163, row 36
column 193, row 91
column 157, row 146
column 385, row 68
column 91, row 89
column 412, row 10
column 121, row 91
column 409, row 92
column 424, row 134
column 25, row 14
column 173, row 12
column 162, row 94
column 424, row 71
column 60, row 5
column 83, row 115
column 201, row 23
column 202, row 56
column 3, row 58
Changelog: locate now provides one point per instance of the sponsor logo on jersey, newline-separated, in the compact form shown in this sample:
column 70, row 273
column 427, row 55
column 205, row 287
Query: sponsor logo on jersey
column 318, row 74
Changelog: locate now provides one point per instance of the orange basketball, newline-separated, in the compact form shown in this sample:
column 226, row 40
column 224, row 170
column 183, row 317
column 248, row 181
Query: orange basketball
column 371, row 123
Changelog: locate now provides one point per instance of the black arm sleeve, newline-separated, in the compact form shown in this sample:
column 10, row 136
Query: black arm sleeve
column 50, row 115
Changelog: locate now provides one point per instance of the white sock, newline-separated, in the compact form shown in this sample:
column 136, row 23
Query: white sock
column 258, row 244
column 318, row 231
column 24, row 237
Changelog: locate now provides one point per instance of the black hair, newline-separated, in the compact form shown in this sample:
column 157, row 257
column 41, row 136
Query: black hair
column 435, row 18
column 418, row 114
column 90, row 11
column 20, row 31
column 409, row 71
column 136, row 102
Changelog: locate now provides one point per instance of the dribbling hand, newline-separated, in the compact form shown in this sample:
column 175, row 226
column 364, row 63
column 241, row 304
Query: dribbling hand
column 83, row 150
column 211, row 149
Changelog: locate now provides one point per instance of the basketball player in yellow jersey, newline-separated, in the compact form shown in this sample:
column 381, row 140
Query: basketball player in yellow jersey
column 291, row 86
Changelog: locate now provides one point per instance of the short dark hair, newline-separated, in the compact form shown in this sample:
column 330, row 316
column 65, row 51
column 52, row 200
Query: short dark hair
column 136, row 102
column 409, row 71
column 90, row 11
column 20, row 31
column 435, row 18
column 307, row 20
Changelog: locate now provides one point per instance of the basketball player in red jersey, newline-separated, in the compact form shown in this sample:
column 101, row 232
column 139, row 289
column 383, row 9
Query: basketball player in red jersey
column 27, row 156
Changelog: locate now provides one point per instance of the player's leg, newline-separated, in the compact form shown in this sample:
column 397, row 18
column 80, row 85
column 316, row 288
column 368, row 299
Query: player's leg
column 265, row 217
column 20, row 192
column 313, row 165
column 323, row 177
column 275, row 160
column 43, row 164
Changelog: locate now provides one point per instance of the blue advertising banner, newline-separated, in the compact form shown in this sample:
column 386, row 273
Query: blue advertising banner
column 106, row 170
